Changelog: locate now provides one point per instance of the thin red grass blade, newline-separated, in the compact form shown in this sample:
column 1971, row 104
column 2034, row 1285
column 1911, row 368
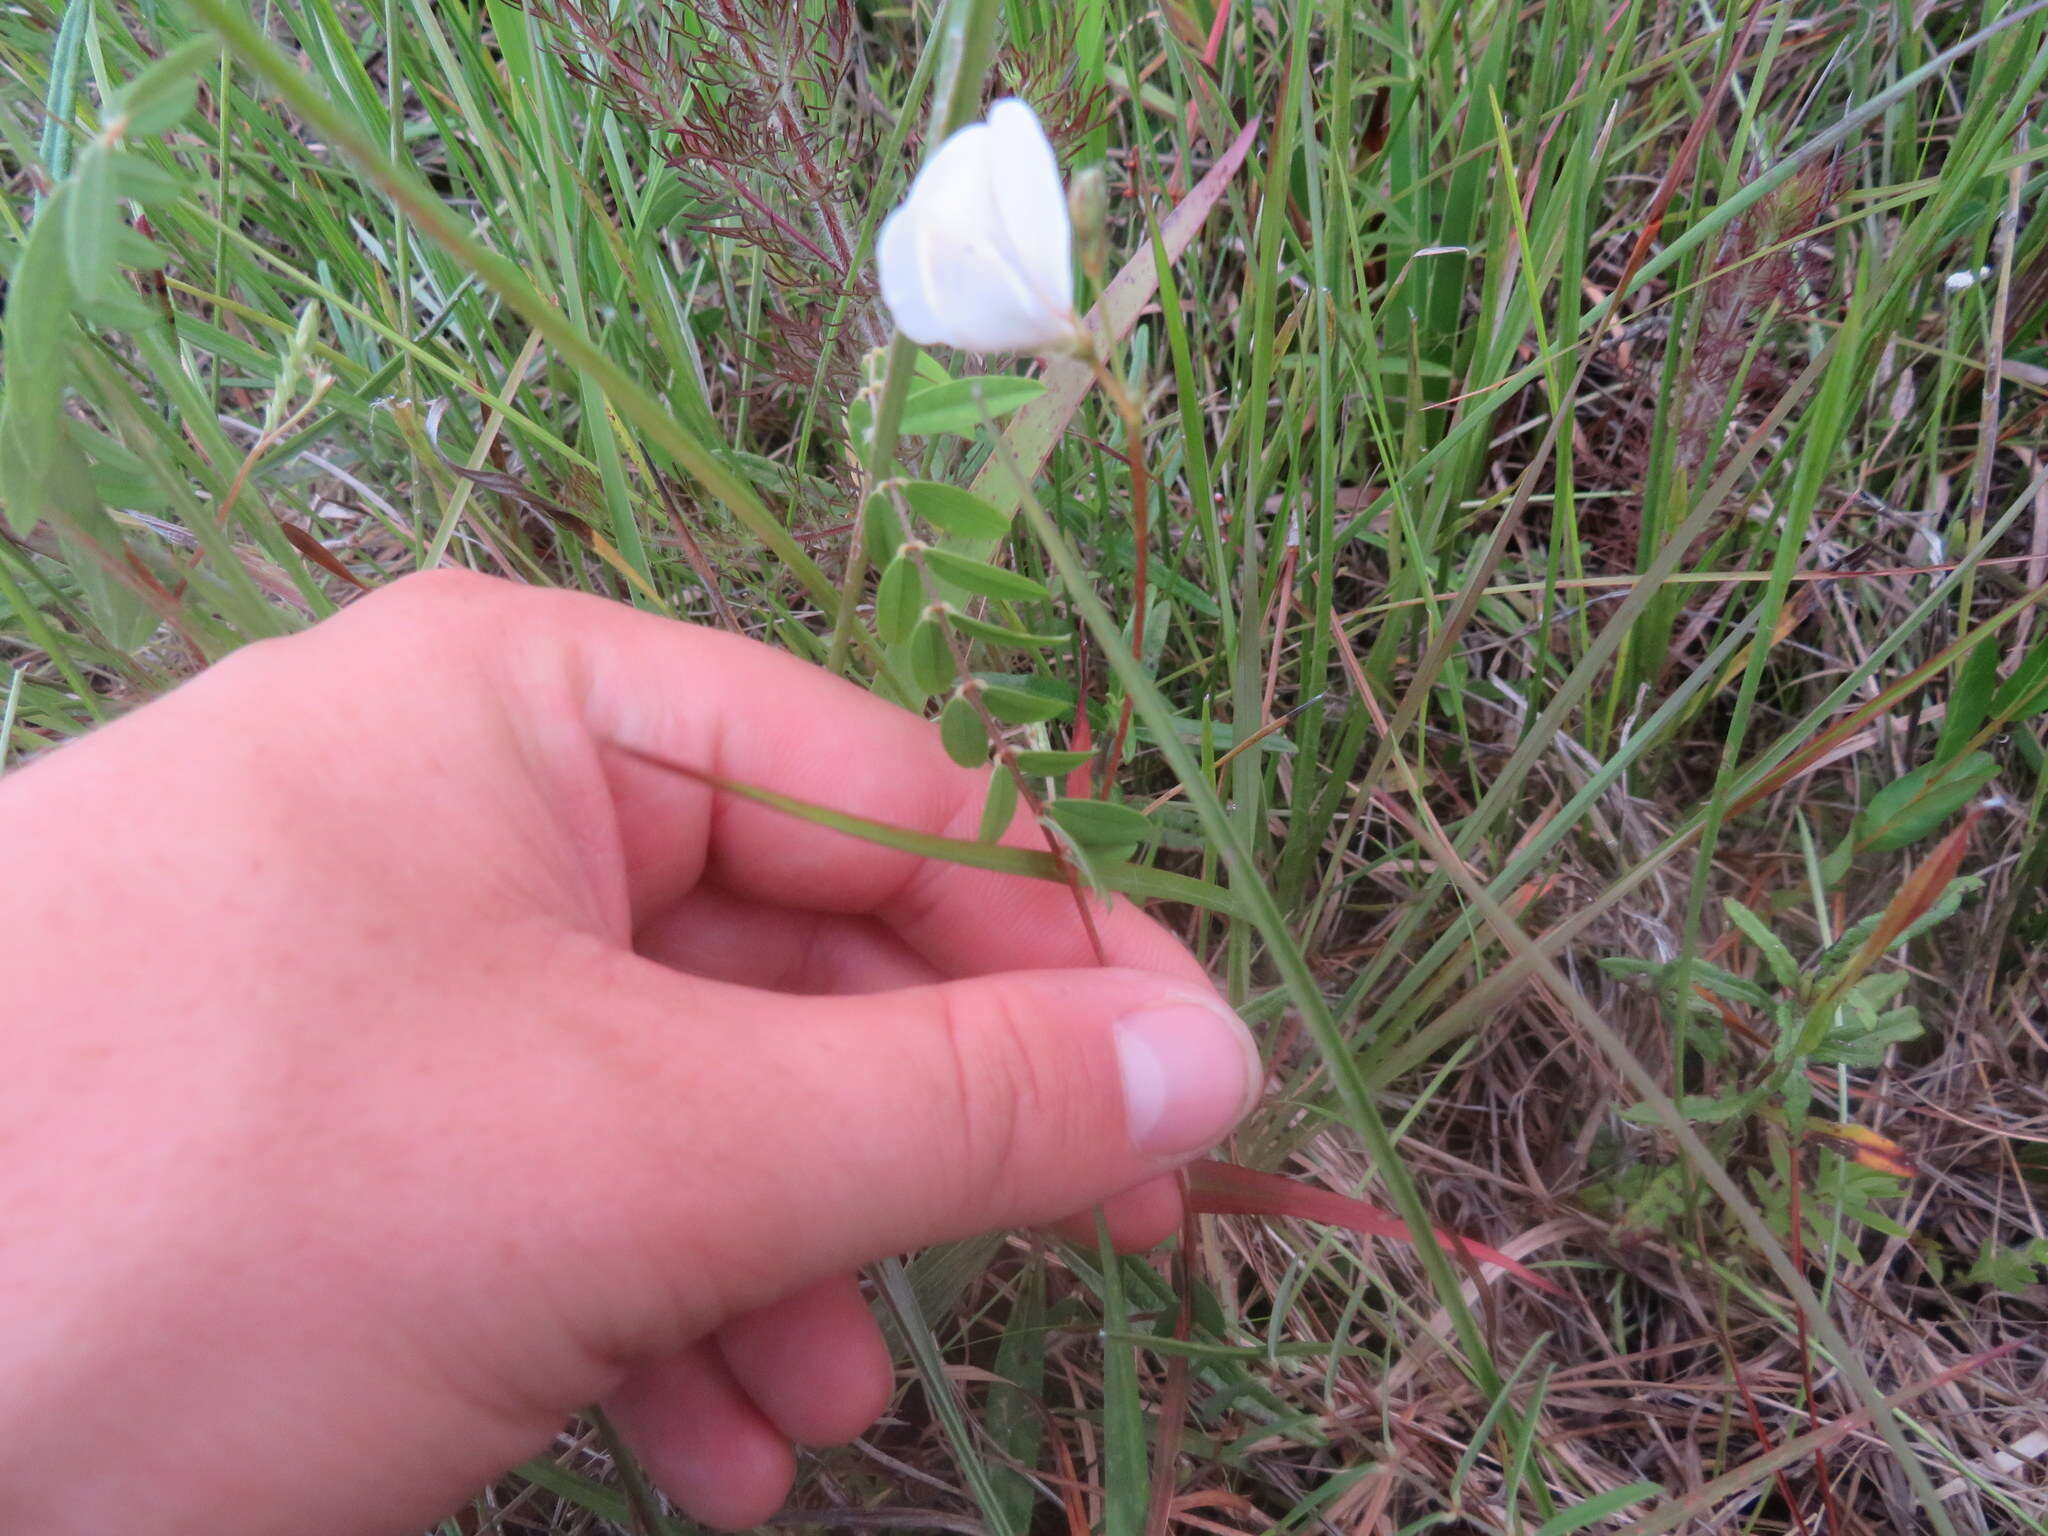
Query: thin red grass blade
column 1916, row 896
column 1081, row 781
column 1216, row 34
column 319, row 554
column 1225, row 1189
column 1923, row 887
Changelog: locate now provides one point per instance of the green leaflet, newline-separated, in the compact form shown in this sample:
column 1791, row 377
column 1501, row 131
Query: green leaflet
column 985, row 580
column 959, row 408
column 961, row 732
column 953, row 511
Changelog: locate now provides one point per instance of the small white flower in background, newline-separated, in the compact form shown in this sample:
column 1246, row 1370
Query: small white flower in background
column 980, row 256
column 1956, row 282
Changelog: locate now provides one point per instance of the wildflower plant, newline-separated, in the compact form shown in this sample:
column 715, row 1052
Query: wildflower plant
column 979, row 258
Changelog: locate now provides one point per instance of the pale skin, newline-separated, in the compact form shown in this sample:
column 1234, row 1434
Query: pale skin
column 397, row 1060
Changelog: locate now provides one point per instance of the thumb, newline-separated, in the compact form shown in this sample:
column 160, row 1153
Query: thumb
column 827, row 1132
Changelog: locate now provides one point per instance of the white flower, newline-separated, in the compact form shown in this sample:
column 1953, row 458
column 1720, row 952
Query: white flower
column 1956, row 282
column 980, row 255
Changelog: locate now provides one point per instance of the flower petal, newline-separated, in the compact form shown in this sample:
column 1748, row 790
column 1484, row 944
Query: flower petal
column 902, row 274
column 1031, row 203
column 949, row 274
column 969, row 281
column 981, row 301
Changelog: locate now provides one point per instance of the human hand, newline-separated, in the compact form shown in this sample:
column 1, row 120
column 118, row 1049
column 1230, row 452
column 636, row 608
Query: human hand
column 409, row 1061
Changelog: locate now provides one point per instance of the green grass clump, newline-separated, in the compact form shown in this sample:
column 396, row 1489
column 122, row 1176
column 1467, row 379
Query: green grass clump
column 1586, row 701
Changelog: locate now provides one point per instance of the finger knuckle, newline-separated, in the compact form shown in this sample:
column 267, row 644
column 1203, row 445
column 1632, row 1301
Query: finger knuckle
column 447, row 596
column 1004, row 1093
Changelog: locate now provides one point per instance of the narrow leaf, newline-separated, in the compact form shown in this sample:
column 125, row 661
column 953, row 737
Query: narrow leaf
column 159, row 97
column 592, row 1497
column 1126, row 1482
column 881, row 530
column 1100, row 823
column 1130, row 879
column 1051, row 764
column 34, row 340
column 1000, row 634
column 1599, row 1507
column 1970, row 701
column 1225, row 1189
column 139, row 179
column 899, row 600
column 1784, row 969
column 1014, row 706
column 999, row 810
column 959, row 408
column 2025, row 693
column 954, row 511
column 92, row 226
column 1909, row 808
column 94, row 550
column 931, row 663
column 983, row 579
column 1011, row 1412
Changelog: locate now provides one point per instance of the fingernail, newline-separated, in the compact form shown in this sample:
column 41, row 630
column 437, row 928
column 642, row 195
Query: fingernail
column 1191, row 1072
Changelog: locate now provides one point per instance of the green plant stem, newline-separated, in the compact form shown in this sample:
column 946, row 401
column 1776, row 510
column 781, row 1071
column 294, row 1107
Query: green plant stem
column 879, row 463
column 970, row 690
column 966, row 44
